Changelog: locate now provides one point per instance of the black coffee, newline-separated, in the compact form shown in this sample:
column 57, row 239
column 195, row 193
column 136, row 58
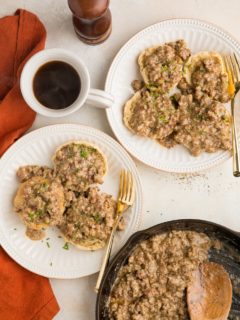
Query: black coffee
column 56, row 85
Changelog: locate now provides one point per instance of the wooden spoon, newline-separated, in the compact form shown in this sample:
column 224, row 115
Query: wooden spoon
column 209, row 297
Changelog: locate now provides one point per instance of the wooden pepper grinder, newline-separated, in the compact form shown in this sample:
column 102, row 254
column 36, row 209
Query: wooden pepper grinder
column 91, row 19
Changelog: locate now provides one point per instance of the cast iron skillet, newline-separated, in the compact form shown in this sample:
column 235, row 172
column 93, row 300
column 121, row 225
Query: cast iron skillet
column 229, row 257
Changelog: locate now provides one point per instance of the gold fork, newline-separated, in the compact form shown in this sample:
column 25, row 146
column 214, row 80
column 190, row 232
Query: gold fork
column 126, row 197
column 233, row 71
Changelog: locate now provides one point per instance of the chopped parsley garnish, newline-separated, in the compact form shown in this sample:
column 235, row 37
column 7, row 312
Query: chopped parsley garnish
column 153, row 84
column 50, row 263
column 39, row 213
column 83, row 153
column 154, row 94
column 41, row 188
column 174, row 98
column 15, row 229
column 44, row 185
column 164, row 67
column 200, row 117
column 162, row 118
column 152, row 88
column 74, row 235
column 48, row 244
column 33, row 215
column 97, row 218
column 226, row 119
column 78, row 225
column 66, row 246
column 93, row 149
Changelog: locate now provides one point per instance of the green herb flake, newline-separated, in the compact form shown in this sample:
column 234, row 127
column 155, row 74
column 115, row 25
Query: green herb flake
column 226, row 119
column 31, row 216
column 153, row 84
column 15, row 229
column 44, row 186
column 66, row 246
column 74, row 236
column 199, row 117
column 154, row 94
column 48, row 245
column 164, row 67
column 50, row 264
column 97, row 218
column 83, row 153
column 78, row 225
column 162, row 118
column 39, row 213
column 41, row 188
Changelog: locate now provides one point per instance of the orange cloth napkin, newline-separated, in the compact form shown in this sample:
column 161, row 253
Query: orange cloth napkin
column 21, row 36
column 24, row 295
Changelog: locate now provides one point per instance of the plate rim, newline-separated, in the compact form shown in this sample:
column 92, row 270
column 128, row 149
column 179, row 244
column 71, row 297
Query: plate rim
column 4, row 243
column 171, row 21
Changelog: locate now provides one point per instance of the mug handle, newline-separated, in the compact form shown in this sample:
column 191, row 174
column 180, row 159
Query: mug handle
column 100, row 99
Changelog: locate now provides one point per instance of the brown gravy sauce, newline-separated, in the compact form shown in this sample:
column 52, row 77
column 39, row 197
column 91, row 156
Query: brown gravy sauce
column 35, row 234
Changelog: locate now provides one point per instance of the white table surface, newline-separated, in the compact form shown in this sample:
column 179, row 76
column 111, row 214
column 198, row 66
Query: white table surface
column 213, row 195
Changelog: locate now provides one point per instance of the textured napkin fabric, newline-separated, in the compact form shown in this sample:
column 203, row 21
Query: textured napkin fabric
column 21, row 36
column 24, row 295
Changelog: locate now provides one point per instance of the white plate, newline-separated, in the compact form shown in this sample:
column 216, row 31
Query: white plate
column 199, row 36
column 37, row 147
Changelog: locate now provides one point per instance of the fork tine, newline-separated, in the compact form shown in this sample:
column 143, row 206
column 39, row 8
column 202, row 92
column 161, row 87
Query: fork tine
column 121, row 185
column 227, row 66
column 236, row 59
column 125, row 197
column 230, row 66
column 231, row 87
column 131, row 189
column 128, row 186
column 124, row 184
column 131, row 200
column 236, row 64
column 225, row 62
column 127, row 191
column 234, row 69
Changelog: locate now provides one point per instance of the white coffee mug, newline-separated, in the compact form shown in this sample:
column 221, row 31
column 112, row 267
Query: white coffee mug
column 93, row 97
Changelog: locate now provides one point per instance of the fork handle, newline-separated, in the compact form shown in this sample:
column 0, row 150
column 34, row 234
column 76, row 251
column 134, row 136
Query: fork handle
column 236, row 171
column 107, row 253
